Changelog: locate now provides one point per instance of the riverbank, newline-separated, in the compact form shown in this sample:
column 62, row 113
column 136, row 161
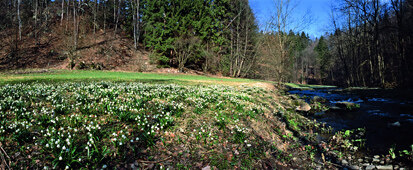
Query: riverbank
column 367, row 122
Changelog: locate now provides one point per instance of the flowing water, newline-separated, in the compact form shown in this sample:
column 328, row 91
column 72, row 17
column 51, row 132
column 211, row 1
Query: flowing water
column 388, row 121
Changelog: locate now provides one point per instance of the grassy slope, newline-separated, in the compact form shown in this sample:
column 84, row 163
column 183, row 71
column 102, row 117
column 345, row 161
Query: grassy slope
column 275, row 133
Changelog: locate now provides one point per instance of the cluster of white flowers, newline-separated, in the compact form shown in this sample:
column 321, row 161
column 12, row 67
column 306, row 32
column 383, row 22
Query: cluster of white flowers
column 204, row 133
column 238, row 129
column 59, row 140
column 16, row 126
column 122, row 137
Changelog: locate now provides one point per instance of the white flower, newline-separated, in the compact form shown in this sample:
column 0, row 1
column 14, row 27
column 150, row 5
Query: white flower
column 60, row 158
column 104, row 166
column 64, row 148
column 248, row 145
column 67, row 167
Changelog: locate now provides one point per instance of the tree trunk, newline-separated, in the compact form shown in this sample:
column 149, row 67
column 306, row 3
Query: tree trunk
column 47, row 11
column 104, row 17
column 117, row 17
column 68, row 14
column 74, row 26
column 134, row 31
column 231, row 53
column 94, row 19
column 19, row 19
column 61, row 17
column 241, row 65
column 35, row 22
column 114, row 11
column 137, row 23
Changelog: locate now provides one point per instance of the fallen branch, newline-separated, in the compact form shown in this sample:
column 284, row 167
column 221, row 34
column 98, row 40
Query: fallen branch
column 3, row 160
column 154, row 162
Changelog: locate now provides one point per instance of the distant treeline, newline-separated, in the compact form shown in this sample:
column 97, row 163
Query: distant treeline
column 370, row 44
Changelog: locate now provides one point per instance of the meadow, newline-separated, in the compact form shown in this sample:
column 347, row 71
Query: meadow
column 88, row 119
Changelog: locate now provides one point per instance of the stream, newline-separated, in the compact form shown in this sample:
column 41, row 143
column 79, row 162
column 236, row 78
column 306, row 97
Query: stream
column 388, row 120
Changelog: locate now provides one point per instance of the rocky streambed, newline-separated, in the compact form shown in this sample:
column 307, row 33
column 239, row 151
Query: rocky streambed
column 376, row 129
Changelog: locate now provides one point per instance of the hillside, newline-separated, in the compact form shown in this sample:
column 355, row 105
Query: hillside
column 102, row 51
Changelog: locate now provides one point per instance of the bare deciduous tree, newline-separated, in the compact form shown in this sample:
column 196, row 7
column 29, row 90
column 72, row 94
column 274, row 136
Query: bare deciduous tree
column 275, row 43
column 185, row 47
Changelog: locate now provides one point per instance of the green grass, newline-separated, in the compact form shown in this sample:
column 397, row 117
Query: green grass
column 307, row 86
column 77, row 75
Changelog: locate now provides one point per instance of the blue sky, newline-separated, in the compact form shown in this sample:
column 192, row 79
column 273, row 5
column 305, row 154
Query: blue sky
column 319, row 9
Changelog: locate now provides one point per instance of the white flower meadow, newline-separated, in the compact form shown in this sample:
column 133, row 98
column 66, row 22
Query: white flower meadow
column 77, row 121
